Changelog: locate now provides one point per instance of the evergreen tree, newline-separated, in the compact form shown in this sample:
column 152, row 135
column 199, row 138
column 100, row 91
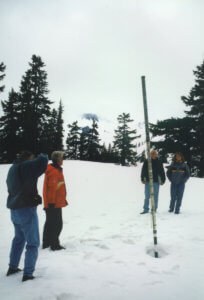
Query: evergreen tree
column 195, row 104
column 73, row 141
column 103, row 157
column 35, row 105
column 109, row 154
column 185, row 134
column 9, row 128
column 83, row 143
column 176, row 135
column 59, row 128
column 123, row 143
column 93, row 142
column 2, row 69
column 141, row 157
column 48, row 141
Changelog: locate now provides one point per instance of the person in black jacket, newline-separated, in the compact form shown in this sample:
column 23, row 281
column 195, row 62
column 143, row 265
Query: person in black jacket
column 22, row 200
column 178, row 173
column 158, row 178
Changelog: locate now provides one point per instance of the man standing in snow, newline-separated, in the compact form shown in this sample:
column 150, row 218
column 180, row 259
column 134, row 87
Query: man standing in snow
column 22, row 200
column 178, row 173
column 158, row 178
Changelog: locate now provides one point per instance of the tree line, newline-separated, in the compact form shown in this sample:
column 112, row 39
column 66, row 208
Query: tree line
column 84, row 143
column 29, row 122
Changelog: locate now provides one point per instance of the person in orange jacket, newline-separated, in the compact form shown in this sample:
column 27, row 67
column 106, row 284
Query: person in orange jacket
column 54, row 196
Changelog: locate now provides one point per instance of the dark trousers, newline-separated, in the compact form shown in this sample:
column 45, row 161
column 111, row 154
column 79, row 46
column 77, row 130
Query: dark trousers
column 177, row 191
column 52, row 227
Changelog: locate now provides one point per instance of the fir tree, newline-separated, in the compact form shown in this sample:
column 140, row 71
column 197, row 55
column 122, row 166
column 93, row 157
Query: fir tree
column 9, row 128
column 176, row 135
column 123, row 143
column 109, row 154
column 2, row 69
column 93, row 142
column 103, row 157
column 59, row 128
column 73, row 141
column 185, row 134
column 48, row 141
column 35, row 105
column 195, row 104
column 83, row 143
column 141, row 157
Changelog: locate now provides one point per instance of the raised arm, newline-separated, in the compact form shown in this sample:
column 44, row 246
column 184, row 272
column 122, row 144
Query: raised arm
column 34, row 168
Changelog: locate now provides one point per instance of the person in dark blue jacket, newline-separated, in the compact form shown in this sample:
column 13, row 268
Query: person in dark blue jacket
column 22, row 200
column 178, row 173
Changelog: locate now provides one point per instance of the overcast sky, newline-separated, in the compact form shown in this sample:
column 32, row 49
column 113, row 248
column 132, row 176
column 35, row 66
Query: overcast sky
column 96, row 51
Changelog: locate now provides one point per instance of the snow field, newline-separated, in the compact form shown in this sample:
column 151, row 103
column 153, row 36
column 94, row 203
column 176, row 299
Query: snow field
column 109, row 245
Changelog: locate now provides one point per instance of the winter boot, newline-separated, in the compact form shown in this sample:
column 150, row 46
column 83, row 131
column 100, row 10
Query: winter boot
column 25, row 278
column 12, row 271
column 58, row 247
column 144, row 212
column 44, row 246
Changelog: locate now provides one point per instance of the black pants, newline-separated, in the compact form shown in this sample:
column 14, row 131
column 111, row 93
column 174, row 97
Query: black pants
column 52, row 227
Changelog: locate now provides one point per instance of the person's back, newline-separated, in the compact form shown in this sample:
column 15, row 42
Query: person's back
column 22, row 181
column 22, row 201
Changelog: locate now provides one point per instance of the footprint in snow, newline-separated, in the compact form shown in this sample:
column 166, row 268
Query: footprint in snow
column 119, row 262
column 66, row 296
column 94, row 228
column 176, row 267
column 104, row 258
column 141, row 264
column 129, row 242
column 153, row 282
column 153, row 272
column 115, row 236
column 102, row 246
column 88, row 240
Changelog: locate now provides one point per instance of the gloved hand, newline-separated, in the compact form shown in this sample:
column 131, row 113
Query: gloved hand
column 144, row 182
column 51, row 205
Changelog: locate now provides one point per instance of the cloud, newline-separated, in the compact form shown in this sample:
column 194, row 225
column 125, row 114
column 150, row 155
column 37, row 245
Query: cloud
column 90, row 116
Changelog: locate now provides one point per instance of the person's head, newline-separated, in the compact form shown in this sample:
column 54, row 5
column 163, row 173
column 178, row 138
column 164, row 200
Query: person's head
column 153, row 154
column 178, row 157
column 57, row 157
column 25, row 155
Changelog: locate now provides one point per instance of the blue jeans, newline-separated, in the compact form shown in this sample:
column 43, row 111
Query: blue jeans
column 177, row 191
column 147, row 195
column 25, row 222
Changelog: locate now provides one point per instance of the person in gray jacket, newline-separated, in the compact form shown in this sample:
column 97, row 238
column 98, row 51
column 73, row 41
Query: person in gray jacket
column 178, row 173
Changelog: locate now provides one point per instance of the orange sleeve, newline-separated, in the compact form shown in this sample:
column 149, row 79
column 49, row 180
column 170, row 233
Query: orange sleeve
column 52, row 182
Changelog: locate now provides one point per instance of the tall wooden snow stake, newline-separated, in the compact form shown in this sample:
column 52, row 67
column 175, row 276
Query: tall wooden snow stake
column 149, row 167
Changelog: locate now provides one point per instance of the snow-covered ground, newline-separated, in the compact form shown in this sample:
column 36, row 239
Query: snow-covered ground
column 109, row 244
